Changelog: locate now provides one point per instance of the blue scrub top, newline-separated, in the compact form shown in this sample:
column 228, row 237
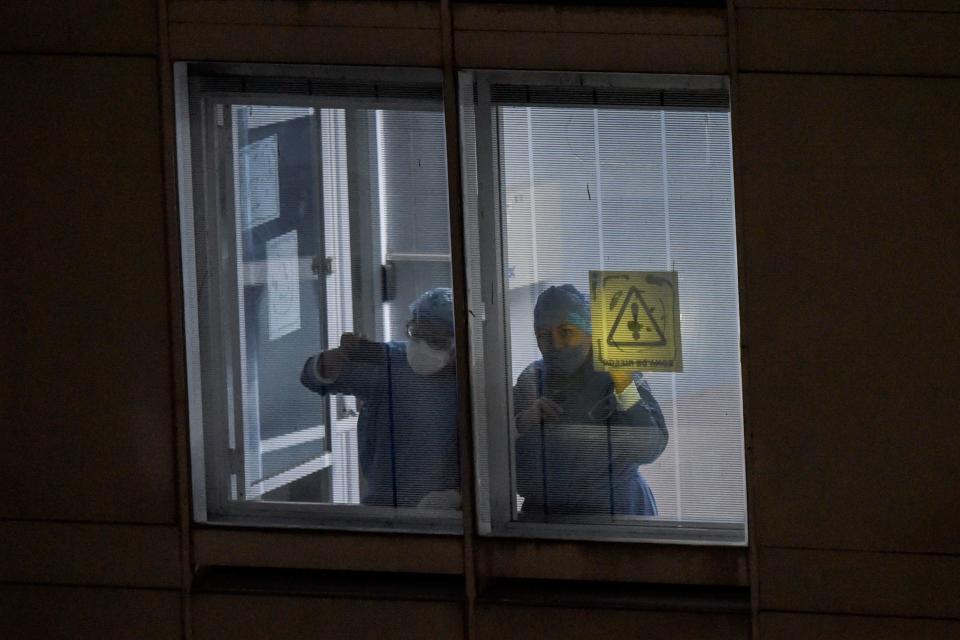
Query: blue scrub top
column 407, row 429
column 586, row 462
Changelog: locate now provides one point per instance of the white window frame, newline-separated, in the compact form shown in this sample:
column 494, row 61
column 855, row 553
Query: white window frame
column 489, row 332
column 216, row 440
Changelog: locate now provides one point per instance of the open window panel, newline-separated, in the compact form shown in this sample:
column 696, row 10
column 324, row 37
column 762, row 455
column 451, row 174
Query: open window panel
column 604, row 306
column 313, row 205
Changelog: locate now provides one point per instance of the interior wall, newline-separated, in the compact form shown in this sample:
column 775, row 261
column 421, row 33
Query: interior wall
column 846, row 149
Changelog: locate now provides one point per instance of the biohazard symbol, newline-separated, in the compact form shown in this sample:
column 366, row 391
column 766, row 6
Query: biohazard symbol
column 641, row 328
column 635, row 317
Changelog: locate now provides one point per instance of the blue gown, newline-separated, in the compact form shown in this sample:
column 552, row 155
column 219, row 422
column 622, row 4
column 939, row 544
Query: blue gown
column 586, row 462
column 407, row 429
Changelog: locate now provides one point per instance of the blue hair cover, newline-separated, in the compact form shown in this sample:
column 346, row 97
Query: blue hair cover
column 557, row 305
column 435, row 305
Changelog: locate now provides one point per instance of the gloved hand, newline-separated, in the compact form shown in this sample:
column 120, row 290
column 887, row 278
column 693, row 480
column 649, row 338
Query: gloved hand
column 325, row 368
column 621, row 379
column 544, row 410
column 446, row 499
column 358, row 349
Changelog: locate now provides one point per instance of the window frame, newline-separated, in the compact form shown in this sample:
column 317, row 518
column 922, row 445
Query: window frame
column 211, row 505
column 489, row 322
column 200, row 118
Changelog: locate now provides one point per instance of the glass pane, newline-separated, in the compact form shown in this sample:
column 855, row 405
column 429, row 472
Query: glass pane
column 281, row 303
column 619, row 247
column 345, row 374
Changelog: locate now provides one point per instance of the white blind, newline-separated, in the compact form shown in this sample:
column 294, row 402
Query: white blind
column 619, row 189
column 310, row 187
column 632, row 179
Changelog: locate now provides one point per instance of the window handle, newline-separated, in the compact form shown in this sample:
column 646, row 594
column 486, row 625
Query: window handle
column 321, row 266
column 388, row 275
column 343, row 411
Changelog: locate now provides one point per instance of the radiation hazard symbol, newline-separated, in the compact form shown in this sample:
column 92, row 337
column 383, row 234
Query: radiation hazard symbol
column 636, row 320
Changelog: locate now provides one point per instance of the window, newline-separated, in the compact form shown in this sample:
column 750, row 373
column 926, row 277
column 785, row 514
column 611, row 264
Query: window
column 602, row 293
column 605, row 335
column 319, row 313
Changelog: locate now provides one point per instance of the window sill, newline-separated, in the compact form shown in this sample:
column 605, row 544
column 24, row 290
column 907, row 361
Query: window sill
column 607, row 595
column 328, row 550
column 364, row 585
column 613, row 562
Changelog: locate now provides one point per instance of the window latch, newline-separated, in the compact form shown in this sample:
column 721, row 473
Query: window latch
column 343, row 411
column 388, row 275
column 321, row 266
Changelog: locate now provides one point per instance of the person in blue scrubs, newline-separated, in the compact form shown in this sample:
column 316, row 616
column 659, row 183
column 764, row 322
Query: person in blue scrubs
column 581, row 434
column 407, row 393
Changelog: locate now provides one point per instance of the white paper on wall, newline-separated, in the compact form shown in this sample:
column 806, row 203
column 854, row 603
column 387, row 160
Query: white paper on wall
column 283, row 285
column 260, row 186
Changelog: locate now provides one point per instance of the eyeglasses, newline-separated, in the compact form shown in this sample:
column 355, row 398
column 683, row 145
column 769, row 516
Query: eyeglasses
column 428, row 332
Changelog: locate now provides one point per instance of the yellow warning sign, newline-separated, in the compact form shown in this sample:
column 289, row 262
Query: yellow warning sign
column 636, row 320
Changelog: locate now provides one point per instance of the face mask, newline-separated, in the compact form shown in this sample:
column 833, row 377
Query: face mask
column 568, row 359
column 424, row 359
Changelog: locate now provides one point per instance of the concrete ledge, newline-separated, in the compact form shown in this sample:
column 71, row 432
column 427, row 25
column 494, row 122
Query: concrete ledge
column 90, row 554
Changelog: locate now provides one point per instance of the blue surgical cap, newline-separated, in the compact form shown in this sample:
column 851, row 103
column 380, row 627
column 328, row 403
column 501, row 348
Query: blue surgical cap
column 557, row 305
column 435, row 305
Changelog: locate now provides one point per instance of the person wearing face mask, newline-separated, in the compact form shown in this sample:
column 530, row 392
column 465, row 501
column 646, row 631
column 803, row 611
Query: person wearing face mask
column 581, row 434
column 407, row 394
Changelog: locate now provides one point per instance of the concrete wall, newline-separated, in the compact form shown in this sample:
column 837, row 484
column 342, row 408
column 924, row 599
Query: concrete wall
column 847, row 201
column 846, row 147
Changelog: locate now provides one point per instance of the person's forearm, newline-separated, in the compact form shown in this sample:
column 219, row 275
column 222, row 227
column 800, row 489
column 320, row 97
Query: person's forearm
column 639, row 435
